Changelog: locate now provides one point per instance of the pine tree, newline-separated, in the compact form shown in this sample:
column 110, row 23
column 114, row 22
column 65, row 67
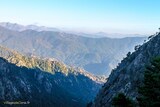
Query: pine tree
column 150, row 91
column 90, row 104
column 121, row 101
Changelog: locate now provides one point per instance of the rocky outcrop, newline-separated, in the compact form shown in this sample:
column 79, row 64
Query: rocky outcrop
column 128, row 76
column 33, row 87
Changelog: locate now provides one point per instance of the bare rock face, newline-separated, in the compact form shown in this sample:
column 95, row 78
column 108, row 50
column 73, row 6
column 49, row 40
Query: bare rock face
column 129, row 74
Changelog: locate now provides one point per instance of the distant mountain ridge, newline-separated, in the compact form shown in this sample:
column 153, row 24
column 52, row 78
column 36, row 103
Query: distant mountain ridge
column 18, row 27
column 128, row 76
column 96, row 55
column 108, row 35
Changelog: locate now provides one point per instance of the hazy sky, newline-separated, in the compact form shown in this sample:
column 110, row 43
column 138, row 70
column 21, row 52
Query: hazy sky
column 113, row 16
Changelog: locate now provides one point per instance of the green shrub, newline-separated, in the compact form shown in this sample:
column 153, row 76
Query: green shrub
column 121, row 100
column 150, row 91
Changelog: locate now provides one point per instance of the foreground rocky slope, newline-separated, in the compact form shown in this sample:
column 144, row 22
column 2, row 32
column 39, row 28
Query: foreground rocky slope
column 96, row 55
column 20, row 84
column 44, row 81
column 128, row 76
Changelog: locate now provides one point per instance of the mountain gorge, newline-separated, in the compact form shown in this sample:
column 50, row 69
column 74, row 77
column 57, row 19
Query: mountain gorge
column 128, row 76
column 36, row 79
column 39, row 63
column 96, row 55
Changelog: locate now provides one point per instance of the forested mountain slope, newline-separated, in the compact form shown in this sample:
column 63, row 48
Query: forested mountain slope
column 96, row 55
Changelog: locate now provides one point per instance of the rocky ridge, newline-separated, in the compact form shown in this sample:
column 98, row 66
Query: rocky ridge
column 44, row 82
column 128, row 75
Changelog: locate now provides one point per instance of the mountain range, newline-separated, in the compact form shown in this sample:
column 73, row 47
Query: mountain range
column 18, row 27
column 43, row 66
column 96, row 55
